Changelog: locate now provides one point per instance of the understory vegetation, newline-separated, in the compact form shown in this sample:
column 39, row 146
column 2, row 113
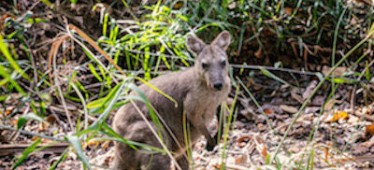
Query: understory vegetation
column 302, row 79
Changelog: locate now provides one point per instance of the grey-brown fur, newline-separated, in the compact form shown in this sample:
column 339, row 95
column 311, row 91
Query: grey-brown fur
column 198, row 90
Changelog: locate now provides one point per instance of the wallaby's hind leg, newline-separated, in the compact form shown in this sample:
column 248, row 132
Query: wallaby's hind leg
column 124, row 158
column 129, row 158
column 155, row 162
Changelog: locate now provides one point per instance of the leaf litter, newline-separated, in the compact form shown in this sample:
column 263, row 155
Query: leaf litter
column 332, row 133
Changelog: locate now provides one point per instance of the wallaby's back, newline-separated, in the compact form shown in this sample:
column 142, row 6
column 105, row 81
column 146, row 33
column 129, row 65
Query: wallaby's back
column 198, row 91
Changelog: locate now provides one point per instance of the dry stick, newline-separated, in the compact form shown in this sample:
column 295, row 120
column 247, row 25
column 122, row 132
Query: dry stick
column 11, row 149
column 232, row 166
column 274, row 69
column 53, row 53
column 55, row 48
column 2, row 127
column 307, row 101
column 155, row 54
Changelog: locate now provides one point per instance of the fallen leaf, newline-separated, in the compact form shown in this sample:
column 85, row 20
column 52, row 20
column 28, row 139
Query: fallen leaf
column 318, row 100
column 247, row 113
column 92, row 144
column 268, row 111
column 232, row 5
column 353, row 119
column 264, row 151
column 339, row 115
column 259, row 53
column 14, row 122
column 289, row 109
column 338, row 72
column 288, row 10
column 108, row 160
column 294, row 149
column 178, row 5
column 331, row 103
column 43, row 126
column 308, row 91
column 367, row 2
column 312, row 110
column 296, row 96
column 34, row 138
column 363, row 148
column 51, row 119
column 369, row 130
column 217, row 166
column 243, row 140
column 8, row 112
column 44, row 140
column 240, row 159
column 327, row 153
column 106, row 144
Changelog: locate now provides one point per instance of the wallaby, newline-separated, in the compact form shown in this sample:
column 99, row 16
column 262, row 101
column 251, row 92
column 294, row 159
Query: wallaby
column 198, row 91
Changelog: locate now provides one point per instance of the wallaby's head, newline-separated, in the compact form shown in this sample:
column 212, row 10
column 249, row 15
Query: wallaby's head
column 211, row 59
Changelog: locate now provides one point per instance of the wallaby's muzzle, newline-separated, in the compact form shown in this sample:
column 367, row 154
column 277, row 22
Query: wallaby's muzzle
column 218, row 86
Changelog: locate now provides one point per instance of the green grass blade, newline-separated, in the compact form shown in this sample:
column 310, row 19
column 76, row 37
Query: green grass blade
column 76, row 143
column 271, row 75
column 8, row 78
column 63, row 156
column 158, row 90
column 24, row 118
column 5, row 50
column 26, row 153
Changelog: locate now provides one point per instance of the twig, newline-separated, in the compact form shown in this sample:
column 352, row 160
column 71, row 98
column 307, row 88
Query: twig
column 68, row 115
column 274, row 69
column 231, row 166
column 156, row 54
column 364, row 115
column 11, row 149
column 2, row 127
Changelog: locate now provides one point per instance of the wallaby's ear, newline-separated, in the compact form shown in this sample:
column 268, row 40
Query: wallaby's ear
column 222, row 40
column 195, row 45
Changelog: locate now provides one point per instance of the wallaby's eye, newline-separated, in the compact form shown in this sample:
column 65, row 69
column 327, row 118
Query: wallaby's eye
column 205, row 65
column 223, row 63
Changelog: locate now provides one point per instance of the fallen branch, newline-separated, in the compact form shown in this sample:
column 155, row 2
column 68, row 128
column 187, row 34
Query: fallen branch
column 2, row 127
column 11, row 149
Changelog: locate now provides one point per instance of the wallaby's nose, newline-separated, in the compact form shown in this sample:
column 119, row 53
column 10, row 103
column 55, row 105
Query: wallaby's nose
column 217, row 86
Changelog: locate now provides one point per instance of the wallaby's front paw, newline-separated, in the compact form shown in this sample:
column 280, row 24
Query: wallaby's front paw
column 210, row 145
